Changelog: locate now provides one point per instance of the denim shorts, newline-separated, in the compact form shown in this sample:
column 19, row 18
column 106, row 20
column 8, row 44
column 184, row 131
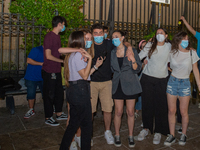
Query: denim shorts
column 179, row 87
column 32, row 87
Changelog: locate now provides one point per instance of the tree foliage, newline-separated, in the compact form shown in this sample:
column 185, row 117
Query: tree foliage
column 43, row 11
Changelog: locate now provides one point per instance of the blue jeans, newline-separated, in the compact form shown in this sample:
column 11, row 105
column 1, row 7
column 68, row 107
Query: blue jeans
column 138, row 105
column 178, row 87
column 78, row 95
column 32, row 87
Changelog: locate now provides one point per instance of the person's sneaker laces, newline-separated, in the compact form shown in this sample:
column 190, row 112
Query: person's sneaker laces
column 157, row 138
column 131, row 142
column 117, row 142
column 109, row 137
column 29, row 113
column 182, row 140
column 142, row 134
column 73, row 146
column 136, row 115
column 78, row 140
column 170, row 140
column 180, row 131
column 51, row 122
column 63, row 116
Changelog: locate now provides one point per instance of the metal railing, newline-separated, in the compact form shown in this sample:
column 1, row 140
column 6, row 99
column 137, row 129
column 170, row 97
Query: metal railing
column 135, row 16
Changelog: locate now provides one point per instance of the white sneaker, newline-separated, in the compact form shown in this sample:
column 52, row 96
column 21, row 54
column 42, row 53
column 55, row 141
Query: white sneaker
column 136, row 115
column 142, row 134
column 73, row 146
column 92, row 142
column 157, row 138
column 109, row 137
column 78, row 140
column 142, row 125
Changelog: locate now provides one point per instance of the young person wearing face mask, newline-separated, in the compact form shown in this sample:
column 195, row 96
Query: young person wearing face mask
column 125, row 84
column 89, row 47
column 105, row 31
column 154, row 83
column 101, row 84
column 53, row 93
column 182, row 62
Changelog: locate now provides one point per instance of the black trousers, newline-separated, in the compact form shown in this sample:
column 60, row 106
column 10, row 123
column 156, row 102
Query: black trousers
column 78, row 95
column 53, row 93
column 154, row 104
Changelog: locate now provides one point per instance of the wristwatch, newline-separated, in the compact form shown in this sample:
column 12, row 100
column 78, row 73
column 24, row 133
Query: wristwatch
column 95, row 67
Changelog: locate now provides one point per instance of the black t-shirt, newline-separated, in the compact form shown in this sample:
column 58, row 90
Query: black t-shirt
column 104, row 72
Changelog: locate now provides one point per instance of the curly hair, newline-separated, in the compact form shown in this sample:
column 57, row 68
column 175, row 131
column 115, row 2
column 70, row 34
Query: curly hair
column 177, row 40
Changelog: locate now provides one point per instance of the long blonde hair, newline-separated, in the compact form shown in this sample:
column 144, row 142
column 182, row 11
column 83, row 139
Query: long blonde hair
column 76, row 40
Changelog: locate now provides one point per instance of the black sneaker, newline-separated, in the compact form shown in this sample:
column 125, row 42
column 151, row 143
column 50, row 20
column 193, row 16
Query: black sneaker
column 63, row 116
column 131, row 142
column 117, row 141
column 170, row 139
column 182, row 140
column 52, row 122
column 180, row 131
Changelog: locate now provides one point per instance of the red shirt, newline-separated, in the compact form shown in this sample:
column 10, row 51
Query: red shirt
column 52, row 42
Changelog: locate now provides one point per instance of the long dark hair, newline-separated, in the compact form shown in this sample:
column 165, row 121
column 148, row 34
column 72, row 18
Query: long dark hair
column 155, row 42
column 76, row 40
column 177, row 40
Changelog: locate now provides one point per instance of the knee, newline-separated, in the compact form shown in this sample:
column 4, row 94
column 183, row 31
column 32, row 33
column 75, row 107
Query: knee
column 172, row 111
column 184, row 114
column 118, row 113
column 130, row 113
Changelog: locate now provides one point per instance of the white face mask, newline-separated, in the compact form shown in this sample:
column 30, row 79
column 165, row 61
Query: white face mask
column 160, row 37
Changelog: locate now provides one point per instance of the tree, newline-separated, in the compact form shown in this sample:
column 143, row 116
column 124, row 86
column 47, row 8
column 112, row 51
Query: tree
column 42, row 11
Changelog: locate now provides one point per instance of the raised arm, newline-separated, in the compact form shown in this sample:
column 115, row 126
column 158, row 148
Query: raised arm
column 65, row 50
column 189, row 27
column 196, row 74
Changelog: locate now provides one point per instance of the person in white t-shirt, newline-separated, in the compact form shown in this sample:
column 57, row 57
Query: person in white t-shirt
column 154, row 84
column 182, row 61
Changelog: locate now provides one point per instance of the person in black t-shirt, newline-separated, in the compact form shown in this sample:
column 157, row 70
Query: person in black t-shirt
column 101, row 84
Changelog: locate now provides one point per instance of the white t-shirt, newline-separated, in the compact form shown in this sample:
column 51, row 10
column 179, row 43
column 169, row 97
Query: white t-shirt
column 181, row 63
column 157, row 64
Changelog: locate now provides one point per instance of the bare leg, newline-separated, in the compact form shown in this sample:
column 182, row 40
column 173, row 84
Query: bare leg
column 130, row 105
column 107, row 119
column 31, row 103
column 184, row 103
column 118, row 114
column 171, row 100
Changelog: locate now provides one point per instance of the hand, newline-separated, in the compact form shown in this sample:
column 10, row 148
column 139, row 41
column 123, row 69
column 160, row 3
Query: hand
column 81, row 50
column 182, row 18
column 41, row 64
column 129, row 52
column 99, row 61
column 145, row 61
column 131, row 57
column 86, row 55
column 193, row 49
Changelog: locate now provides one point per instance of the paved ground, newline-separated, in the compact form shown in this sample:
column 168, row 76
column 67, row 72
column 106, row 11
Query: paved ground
column 17, row 133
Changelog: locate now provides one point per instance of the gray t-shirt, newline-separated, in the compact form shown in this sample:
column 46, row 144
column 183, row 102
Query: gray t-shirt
column 76, row 64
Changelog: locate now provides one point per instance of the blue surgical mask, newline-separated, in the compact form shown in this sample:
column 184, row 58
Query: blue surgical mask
column 116, row 42
column 184, row 44
column 98, row 39
column 63, row 29
column 105, row 35
column 88, row 44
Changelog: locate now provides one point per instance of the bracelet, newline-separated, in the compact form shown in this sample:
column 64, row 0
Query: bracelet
column 133, row 62
column 95, row 67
